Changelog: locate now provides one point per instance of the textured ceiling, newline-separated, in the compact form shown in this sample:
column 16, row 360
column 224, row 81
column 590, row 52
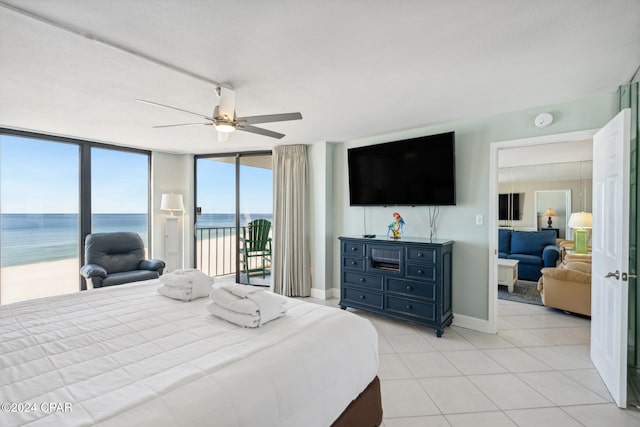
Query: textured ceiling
column 353, row 68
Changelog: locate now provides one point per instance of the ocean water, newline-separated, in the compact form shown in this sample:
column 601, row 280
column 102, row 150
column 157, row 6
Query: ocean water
column 33, row 238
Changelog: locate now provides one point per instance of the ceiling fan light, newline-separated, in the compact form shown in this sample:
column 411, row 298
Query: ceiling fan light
column 225, row 127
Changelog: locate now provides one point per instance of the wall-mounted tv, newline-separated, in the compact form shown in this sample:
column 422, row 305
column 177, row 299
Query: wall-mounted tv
column 509, row 207
column 410, row 172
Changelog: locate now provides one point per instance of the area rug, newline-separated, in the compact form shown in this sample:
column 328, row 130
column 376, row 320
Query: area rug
column 523, row 291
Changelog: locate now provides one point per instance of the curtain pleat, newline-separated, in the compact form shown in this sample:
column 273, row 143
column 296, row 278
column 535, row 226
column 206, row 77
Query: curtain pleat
column 291, row 256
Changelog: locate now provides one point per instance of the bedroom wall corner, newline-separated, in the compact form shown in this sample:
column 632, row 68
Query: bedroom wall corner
column 321, row 206
column 172, row 173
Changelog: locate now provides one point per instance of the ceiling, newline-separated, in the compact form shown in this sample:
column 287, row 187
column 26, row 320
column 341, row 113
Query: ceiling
column 353, row 68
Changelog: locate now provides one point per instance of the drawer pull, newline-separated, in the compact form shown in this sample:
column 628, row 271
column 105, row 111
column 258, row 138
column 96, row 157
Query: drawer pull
column 362, row 279
column 362, row 296
column 353, row 248
column 353, row 263
column 420, row 254
column 409, row 307
column 420, row 272
column 409, row 288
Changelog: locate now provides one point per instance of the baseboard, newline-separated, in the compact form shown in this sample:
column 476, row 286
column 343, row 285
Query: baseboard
column 472, row 323
column 321, row 293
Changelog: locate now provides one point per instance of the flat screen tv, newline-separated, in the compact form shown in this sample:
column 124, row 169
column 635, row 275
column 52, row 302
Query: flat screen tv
column 509, row 206
column 411, row 172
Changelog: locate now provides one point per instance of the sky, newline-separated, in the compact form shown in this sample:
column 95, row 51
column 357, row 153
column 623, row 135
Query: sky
column 38, row 176
column 216, row 188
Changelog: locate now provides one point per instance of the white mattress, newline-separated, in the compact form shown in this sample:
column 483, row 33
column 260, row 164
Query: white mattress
column 127, row 356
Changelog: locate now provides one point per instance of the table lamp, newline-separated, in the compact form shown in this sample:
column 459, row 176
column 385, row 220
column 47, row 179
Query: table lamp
column 580, row 221
column 549, row 212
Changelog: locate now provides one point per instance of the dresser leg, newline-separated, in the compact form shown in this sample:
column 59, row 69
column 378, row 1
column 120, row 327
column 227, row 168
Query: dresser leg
column 439, row 332
column 343, row 307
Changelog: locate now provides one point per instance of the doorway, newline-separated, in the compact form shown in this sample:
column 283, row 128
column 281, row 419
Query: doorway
column 233, row 192
column 504, row 153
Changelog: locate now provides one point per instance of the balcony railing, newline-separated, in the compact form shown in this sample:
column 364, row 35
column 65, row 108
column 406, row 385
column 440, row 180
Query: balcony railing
column 216, row 250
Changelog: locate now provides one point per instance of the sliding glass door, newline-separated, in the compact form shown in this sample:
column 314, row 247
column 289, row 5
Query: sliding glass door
column 256, row 204
column 39, row 221
column 232, row 191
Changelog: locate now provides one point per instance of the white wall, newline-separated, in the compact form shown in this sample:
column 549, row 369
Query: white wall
column 473, row 138
column 172, row 173
column 320, row 157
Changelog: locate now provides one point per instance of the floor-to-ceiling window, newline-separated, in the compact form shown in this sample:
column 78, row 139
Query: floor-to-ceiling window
column 232, row 190
column 39, row 206
column 54, row 191
column 120, row 192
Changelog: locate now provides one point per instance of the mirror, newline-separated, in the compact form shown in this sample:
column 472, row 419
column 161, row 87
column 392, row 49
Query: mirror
column 566, row 186
column 559, row 201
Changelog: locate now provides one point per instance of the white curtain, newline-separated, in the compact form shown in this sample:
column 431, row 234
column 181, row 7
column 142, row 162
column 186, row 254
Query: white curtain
column 291, row 256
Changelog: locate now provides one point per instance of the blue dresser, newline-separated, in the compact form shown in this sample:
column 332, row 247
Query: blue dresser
column 409, row 279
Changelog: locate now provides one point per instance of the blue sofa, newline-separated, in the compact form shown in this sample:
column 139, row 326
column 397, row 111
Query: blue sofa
column 533, row 249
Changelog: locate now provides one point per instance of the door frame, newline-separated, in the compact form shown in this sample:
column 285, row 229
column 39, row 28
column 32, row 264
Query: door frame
column 237, row 156
column 494, row 149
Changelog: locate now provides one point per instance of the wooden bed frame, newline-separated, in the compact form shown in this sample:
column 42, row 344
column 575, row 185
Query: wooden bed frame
column 365, row 410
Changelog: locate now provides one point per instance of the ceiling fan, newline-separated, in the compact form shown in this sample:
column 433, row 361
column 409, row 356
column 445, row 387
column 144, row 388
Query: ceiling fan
column 224, row 117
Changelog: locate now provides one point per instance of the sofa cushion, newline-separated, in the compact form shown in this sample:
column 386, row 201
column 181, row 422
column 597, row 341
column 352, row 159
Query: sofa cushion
column 504, row 241
column 566, row 275
column 129, row 276
column 527, row 259
column 531, row 242
column 579, row 266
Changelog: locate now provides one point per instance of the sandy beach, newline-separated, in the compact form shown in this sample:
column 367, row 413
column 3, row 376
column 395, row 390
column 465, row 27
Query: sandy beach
column 48, row 278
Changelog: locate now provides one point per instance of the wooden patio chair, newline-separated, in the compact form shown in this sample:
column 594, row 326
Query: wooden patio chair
column 255, row 244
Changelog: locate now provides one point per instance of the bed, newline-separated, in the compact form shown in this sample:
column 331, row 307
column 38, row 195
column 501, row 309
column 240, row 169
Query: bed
column 126, row 356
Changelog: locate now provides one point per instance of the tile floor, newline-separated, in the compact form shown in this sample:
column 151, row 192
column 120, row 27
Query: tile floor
column 535, row 372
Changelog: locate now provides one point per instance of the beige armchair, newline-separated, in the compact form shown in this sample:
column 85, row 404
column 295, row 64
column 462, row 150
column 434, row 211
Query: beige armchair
column 567, row 287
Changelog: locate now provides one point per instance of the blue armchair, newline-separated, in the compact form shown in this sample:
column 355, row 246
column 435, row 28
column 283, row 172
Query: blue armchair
column 117, row 258
column 534, row 250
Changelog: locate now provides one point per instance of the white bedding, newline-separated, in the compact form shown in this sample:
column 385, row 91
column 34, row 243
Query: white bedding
column 127, row 356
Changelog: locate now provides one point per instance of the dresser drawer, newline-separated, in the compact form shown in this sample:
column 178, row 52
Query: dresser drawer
column 352, row 248
column 353, row 263
column 411, row 309
column 359, row 297
column 422, row 272
column 364, row 280
column 422, row 255
column 412, row 289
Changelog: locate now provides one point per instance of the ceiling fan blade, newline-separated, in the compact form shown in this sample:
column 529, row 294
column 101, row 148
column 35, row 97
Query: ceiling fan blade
column 268, row 118
column 183, row 124
column 173, row 108
column 261, row 131
column 223, row 136
column 227, row 104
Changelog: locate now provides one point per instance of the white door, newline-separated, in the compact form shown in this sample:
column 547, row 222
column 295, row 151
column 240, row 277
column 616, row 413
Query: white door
column 610, row 243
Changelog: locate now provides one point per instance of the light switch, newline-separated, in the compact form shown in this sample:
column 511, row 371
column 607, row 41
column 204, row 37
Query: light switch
column 479, row 219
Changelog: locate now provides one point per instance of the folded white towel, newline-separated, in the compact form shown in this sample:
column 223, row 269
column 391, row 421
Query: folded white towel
column 244, row 291
column 257, row 302
column 232, row 302
column 185, row 285
column 244, row 320
column 183, row 294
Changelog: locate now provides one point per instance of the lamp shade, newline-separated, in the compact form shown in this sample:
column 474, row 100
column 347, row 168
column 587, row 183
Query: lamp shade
column 581, row 220
column 171, row 202
column 550, row 212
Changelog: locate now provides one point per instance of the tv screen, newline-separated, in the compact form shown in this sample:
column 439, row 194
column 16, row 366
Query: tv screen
column 410, row 172
column 509, row 206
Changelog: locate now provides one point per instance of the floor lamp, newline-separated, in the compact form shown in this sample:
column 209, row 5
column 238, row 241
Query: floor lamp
column 171, row 202
column 580, row 221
